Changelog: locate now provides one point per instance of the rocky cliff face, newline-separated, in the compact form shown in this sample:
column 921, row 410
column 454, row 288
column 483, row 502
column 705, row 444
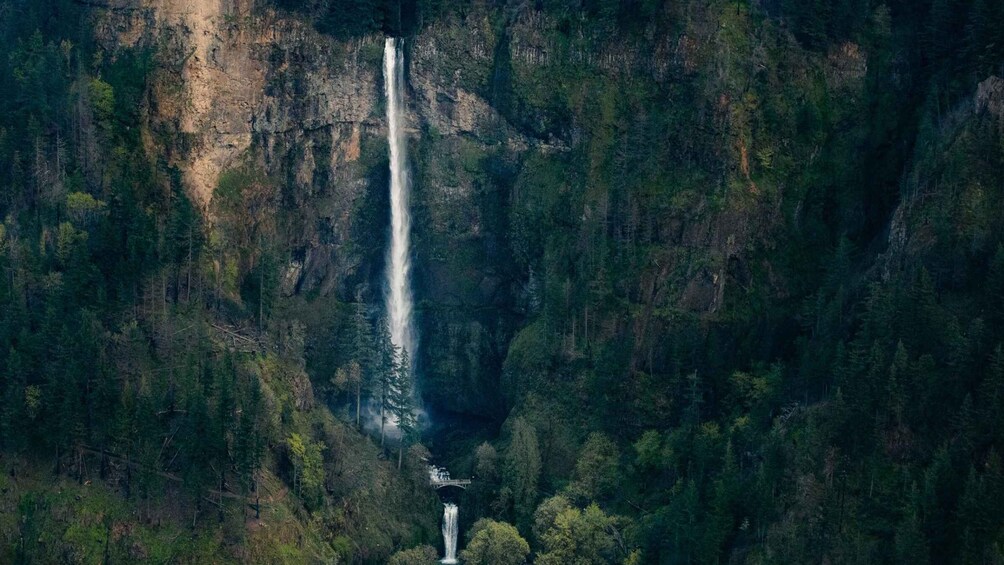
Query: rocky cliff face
column 948, row 207
column 242, row 84
column 493, row 108
column 237, row 85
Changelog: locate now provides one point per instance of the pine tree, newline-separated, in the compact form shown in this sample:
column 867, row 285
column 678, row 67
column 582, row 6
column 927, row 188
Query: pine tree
column 942, row 31
column 719, row 521
column 249, row 446
column 911, row 544
column 965, row 425
column 897, row 387
column 402, row 405
column 973, row 516
column 984, row 38
column 362, row 343
column 695, row 399
column 12, row 416
column 385, row 369
column 992, row 396
column 994, row 289
column 923, row 315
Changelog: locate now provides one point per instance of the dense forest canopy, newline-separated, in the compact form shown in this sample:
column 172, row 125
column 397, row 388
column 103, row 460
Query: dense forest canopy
column 704, row 282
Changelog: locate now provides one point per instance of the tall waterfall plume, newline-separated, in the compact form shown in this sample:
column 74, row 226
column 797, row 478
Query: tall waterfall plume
column 399, row 299
column 450, row 530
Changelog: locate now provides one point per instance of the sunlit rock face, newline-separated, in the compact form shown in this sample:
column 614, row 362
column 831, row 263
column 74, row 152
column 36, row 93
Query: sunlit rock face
column 235, row 85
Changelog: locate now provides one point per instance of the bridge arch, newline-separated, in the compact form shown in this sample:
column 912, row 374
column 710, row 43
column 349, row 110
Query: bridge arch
column 460, row 483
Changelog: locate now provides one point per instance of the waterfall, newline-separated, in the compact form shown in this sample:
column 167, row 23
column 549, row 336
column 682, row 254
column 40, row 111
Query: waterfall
column 450, row 531
column 399, row 302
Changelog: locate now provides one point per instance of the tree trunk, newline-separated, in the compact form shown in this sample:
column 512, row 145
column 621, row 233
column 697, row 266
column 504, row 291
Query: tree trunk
column 108, row 537
column 188, row 284
column 219, row 279
column 257, row 497
column 103, row 467
column 220, row 507
column 382, row 420
column 261, row 295
column 163, row 297
column 127, row 484
column 359, row 393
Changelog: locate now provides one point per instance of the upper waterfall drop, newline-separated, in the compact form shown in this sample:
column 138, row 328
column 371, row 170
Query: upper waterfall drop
column 398, row 297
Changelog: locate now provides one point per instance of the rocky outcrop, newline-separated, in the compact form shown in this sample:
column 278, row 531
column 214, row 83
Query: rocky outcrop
column 213, row 85
column 236, row 83
column 936, row 194
column 990, row 97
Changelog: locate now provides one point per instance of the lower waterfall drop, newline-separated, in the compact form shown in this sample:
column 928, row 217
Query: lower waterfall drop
column 451, row 528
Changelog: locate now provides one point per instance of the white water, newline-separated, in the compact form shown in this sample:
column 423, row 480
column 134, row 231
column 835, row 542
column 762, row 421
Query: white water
column 450, row 530
column 438, row 474
column 399, row 301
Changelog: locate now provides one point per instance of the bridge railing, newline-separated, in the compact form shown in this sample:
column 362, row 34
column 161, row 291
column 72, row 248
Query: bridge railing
column 462, row 483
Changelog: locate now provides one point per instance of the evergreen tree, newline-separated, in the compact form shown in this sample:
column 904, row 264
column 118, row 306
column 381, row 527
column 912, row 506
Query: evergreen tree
column 249, row 444
column 362, row 344
column 994, row 289
column 386, row 369
column 522, row 470
column 402, row 404
column 911, row 545
column 992, row 396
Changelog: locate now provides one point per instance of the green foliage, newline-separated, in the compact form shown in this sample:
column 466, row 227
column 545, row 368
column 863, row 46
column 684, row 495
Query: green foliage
column 245, row 202
column 84, row 209
column 579, row 536
column 308, row 470
column 911, row 544
column 521, row 474
column 528, row 360
column 597, row 469
column 486, row 465
column 651, row 455
column 547, row 513
column 351, row 18
column 420, row 555
column 102, row 98
column 495, row 543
